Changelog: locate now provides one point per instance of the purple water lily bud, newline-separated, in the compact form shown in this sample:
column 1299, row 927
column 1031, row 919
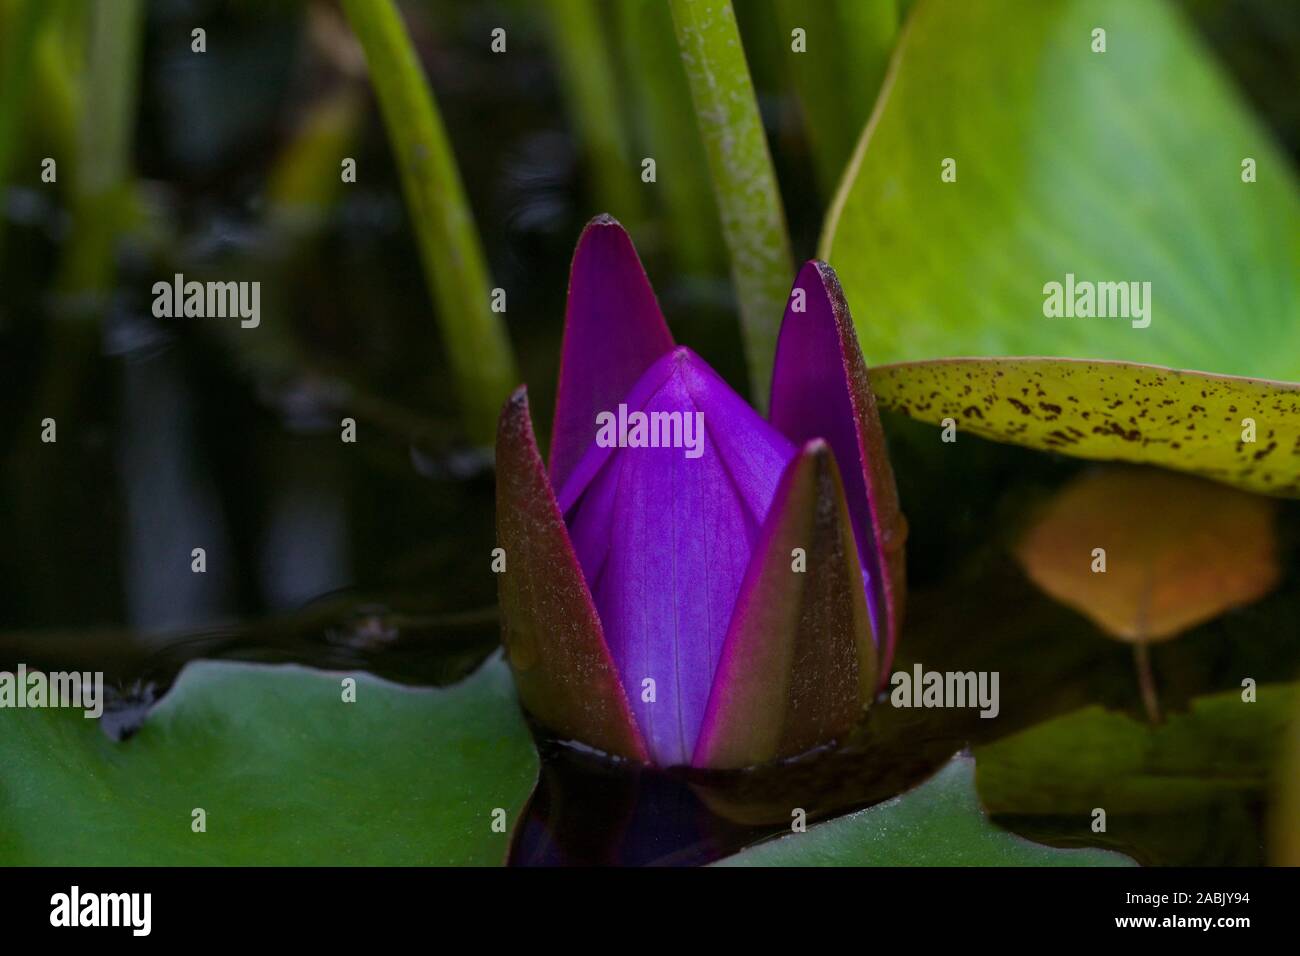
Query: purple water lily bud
column 690, row 583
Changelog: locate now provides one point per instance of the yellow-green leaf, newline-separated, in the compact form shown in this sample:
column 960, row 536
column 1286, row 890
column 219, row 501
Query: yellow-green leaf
column 1122, row 166
column 1242, row 431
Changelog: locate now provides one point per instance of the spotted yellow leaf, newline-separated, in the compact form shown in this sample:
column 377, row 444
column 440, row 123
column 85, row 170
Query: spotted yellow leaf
column 1241, row 431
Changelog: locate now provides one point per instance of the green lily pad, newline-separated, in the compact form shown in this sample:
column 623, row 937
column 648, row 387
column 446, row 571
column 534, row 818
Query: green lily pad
column 1285, row 815
column 285, row 771
column 1240, row 431
column 1122, row 166
column 940, row 823
column 1095, row 757
column 1187, row 789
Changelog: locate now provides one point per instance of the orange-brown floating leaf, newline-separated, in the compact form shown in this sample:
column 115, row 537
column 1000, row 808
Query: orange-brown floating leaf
column 1178, row 550
column 1190, row 421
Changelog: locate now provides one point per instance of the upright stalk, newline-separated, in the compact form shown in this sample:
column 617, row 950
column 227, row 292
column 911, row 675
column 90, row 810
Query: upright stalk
column 102, row 200
column 667, row 132
column 744, row 182
column 591, row 90
column 482, row 363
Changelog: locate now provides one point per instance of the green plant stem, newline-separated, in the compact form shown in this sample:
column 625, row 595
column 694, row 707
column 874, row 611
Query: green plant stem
column 744, row 182
column 55, row 82
column 21, row 25
column 590, row 85
column 305, row 180
column 102, row 200
column 482, row 363
column 1146, row 680
column 668, row 132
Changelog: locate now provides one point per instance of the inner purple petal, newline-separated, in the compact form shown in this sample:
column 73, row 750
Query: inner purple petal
column 665, row 538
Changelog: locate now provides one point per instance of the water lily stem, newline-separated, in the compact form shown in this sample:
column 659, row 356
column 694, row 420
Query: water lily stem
column 1146, row 680
column 744, row 181
column 478, row 349
column 589, row 82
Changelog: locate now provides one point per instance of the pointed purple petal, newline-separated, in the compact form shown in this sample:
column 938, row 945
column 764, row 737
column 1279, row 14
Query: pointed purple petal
column 665, row 540
column 613, row 332
column 820, row 390
column 549, row 626
column 799, row 665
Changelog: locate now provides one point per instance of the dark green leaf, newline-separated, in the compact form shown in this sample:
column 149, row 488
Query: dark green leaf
column 286, row 772
column 940, row 823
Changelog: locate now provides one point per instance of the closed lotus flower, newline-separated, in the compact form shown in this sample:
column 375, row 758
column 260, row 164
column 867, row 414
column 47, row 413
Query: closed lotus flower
column 688, row 582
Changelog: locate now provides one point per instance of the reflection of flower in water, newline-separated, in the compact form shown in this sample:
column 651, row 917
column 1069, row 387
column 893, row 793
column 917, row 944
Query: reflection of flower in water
column 368, row 626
